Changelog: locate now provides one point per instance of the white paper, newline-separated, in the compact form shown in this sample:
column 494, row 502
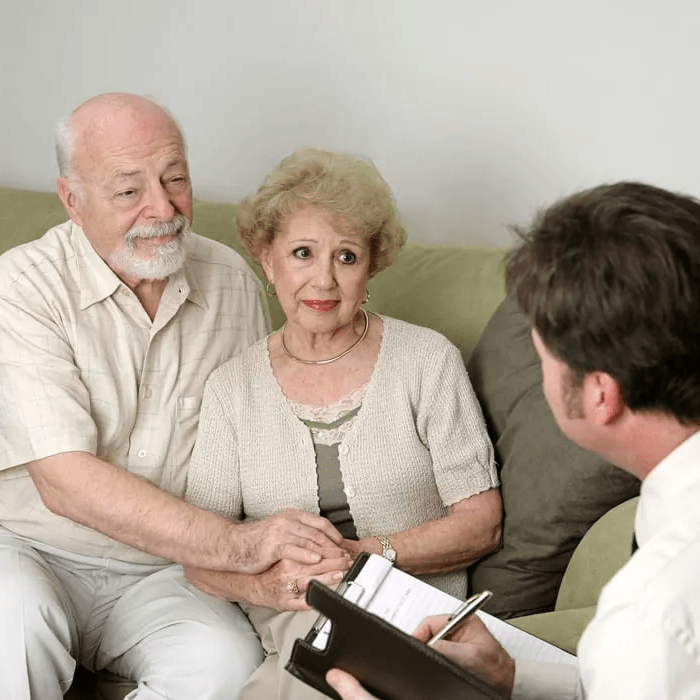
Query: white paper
column 404, row 601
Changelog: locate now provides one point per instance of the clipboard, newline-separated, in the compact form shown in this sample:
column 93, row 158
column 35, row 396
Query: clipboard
column 391, row 664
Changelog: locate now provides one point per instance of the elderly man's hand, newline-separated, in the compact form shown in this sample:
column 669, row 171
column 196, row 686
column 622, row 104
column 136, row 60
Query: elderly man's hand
column 473, row 647
column 291, row 534
column 346, row 686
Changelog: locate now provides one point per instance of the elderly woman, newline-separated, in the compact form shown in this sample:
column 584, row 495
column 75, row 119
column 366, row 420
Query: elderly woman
column 367, row 420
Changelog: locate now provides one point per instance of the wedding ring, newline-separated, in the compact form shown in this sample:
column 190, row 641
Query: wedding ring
column 292, row 586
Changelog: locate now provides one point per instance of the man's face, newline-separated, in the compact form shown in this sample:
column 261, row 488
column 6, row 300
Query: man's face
column 563, row 394
column 134, row 199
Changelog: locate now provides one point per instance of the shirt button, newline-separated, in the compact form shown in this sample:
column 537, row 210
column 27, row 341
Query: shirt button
column 141, row 454
column 343, row 449
column 148, row 393
column 350, row 491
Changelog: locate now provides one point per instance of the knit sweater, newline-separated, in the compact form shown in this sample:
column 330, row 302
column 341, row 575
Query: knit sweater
column 418, row 443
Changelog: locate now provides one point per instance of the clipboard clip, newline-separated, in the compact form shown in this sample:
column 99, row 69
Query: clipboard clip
column 350, row 590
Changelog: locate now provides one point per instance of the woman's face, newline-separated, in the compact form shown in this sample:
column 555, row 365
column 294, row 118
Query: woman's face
column 320, row 273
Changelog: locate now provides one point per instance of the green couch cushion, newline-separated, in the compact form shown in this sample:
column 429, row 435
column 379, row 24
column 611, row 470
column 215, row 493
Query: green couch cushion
column 553, row 491
column 563, row 628
column 26, row 215
column 602, row 552
column 452, row 289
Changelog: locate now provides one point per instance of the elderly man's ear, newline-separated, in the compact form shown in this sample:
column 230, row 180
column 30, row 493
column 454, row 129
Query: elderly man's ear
column 70, row 199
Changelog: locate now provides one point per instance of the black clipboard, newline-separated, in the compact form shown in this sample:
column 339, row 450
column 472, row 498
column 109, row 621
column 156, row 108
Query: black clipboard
column 389, row 663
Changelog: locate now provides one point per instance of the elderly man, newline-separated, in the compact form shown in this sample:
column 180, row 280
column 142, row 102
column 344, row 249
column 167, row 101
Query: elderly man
column 109, row 326
column 610, row 280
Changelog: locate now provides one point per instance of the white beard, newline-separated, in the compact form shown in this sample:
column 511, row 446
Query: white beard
column 165, row 259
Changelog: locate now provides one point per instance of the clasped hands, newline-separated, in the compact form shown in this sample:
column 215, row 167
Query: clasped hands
column 275, row 558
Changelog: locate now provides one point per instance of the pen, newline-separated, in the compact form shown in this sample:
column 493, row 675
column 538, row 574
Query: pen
column 467, row 608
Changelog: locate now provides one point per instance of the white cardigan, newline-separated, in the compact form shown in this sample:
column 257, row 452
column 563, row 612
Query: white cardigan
column 418, row 443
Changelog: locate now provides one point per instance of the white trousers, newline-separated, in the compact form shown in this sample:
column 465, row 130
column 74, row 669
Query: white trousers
column 145, row 623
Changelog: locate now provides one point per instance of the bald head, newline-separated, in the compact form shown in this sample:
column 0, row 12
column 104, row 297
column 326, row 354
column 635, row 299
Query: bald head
column 100, row 115
column 125, row 181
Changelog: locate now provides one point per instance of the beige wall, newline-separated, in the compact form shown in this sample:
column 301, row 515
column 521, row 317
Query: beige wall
column 476, row 112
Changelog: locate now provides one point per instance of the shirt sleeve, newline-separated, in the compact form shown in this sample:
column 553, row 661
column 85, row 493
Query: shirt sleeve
column 644, row 649
column 452, row 424
column 535, row 680
column 213, row 478
column 44, row 405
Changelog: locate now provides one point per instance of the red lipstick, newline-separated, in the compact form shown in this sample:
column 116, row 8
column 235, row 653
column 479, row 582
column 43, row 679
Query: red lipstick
column 321, row 304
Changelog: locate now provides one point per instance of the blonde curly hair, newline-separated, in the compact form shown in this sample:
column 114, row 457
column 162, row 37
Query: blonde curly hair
column 348, row 187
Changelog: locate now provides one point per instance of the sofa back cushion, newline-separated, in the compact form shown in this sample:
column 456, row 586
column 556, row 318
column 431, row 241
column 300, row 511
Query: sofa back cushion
column 453, row 289
column 553, row 491
column 26, row 215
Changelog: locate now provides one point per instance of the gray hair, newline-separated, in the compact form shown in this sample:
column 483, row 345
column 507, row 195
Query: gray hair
column 65, row 147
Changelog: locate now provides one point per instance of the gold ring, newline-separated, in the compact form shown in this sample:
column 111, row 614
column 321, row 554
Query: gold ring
column 292, row 586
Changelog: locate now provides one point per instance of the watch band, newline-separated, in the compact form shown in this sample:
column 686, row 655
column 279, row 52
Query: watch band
column 388, row 551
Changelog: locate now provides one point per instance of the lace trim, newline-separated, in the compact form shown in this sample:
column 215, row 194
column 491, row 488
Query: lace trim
column 330, row 414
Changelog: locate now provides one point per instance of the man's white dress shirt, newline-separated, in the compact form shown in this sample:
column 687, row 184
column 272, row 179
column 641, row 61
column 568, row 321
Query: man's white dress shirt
column 644, row 640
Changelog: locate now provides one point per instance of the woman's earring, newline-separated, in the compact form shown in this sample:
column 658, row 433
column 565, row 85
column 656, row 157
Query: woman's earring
column 270, row 290
column 366, row 299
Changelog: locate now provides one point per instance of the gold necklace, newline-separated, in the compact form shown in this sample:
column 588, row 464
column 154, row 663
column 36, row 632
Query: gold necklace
column 330, row 359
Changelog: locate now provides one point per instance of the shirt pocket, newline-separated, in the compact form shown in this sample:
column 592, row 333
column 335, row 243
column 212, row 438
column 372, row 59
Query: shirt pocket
column 186, row 423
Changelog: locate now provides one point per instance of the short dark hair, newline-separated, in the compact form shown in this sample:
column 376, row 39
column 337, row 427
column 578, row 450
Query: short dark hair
column 610, row 279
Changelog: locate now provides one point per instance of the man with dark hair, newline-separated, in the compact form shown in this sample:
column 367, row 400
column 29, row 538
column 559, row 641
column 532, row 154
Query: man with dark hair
column 610, row 280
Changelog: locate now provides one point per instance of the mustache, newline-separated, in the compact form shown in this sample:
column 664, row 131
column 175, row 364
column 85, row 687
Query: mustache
column 177, row 226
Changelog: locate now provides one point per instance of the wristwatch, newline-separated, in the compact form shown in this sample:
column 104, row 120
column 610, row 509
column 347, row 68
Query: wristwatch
column 388, row 552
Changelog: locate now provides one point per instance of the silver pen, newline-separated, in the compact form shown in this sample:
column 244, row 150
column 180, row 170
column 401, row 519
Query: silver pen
column 467, row 608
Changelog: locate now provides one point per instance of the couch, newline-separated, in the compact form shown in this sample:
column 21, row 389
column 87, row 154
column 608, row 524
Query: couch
column 553, row 492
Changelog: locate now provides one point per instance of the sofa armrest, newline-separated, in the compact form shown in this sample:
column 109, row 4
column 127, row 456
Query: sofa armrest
column 563, row 628
column 604, row 549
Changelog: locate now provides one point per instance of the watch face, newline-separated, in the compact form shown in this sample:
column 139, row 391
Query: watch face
column 388, row 552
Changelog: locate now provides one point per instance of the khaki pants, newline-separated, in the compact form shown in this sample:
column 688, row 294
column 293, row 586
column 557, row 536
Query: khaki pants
column 278, row 631
column 144, row 623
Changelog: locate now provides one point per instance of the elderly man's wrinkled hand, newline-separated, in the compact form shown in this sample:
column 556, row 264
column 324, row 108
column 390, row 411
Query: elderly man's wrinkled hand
column 291, row 534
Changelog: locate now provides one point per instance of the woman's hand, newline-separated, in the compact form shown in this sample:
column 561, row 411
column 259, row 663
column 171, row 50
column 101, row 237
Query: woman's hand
column 355, row 547
column 281, row 587
column 276, row 585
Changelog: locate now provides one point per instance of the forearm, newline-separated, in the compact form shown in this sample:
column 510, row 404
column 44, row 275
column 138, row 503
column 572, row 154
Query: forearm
column 83, row 488
column 234, row 587
column 471, row 529
column 127, row 508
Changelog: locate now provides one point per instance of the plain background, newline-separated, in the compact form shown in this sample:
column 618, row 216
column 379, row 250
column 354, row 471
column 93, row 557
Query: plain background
column 477, row 113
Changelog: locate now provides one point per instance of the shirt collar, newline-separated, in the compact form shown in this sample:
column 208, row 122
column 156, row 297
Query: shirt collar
column 667, row 488
column 194, row 292
column 98, row 281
